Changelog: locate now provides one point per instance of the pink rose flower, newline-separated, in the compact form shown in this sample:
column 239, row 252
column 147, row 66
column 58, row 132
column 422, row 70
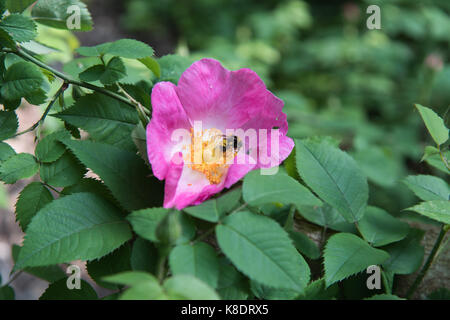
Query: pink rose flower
column 211, row 158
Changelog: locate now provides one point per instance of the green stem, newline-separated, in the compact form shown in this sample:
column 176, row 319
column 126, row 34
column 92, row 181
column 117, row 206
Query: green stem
column 386, row 285
column 66, row 78
column 443, row 158
column 163, row 252
column 239, row 208
column 289, row 225
column 142, row 112
column 49, row 186
column 428, row 263
column 47, row 110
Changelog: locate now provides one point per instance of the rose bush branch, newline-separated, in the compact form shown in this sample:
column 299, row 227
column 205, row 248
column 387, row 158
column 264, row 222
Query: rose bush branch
column 30, row 58
column 428, row 263
column 61, row 90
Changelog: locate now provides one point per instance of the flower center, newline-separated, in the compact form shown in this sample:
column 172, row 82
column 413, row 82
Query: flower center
column 211, row 152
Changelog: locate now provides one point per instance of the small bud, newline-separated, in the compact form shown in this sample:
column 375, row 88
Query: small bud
column 169, row 229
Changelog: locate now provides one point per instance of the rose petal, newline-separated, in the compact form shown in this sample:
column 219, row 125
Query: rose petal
column 218, row 97
column 167, row 116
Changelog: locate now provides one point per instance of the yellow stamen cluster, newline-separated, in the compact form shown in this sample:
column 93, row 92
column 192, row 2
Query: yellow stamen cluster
column 213, row 170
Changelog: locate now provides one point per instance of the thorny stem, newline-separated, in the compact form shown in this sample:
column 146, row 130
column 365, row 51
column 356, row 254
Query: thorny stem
column 239, row 208
column 49, row 186
column 63, row 88
column 429, row 261
column 143, row 112
column 66, row 78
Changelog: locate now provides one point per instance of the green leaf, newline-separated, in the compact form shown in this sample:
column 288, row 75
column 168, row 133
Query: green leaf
column 327, row 216
column 18, row 5
column 8, row 124
column 139, row 137
column 123, row 172
column 48, row 273
column 318, row 290
column 232, row 285
column 4, row 197
column 60, row 291
column 130, row 278
column 406, row 255
column 78, row 226
column 384, row 296
column 438, row 210
column 6, row 293
column 55, row 14
column 50, row 148
column 434, row 124
column 261, row 249
column 429, row 151
column 143, row 256
column 305, row 245
column 346, row 254
column 436, row 161
column 334, row 176
column 19, row 166
column 21, row 28
column 214, row 209
column 90, row 185
column 144, row 286
column 125, row 48
column 6, row 151
column 186, row 287
column 64, row 172
column 105, row 119
column 428, row 188
column 380, row 228
column 114, row 262
column 6, row 40
column 145, row 222
column 32, row 199
column 93, row 73
column 267, row 293
column 21, row 79
column 152, row 64
column 172, row 66
column 140, row 92
column 113, row 71
column 145, row 290
column 260, row 189
column 199, row 260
